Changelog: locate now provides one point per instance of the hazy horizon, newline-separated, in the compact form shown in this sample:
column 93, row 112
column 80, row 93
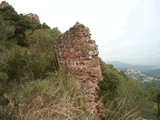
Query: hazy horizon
column 123, row 62
column 141, row 43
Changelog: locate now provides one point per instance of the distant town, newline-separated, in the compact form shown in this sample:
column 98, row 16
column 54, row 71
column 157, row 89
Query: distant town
column 140, row 75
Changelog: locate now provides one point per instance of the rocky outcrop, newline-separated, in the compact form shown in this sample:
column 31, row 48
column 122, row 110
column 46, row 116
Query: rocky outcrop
column 77, row 54
column 33, row 16
column 4, row 4
column 30, row 15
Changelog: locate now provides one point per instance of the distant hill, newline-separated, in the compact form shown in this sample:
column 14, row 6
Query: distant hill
column 122, row 65
column 140, row 72
column 155, row 72
column 152, row 70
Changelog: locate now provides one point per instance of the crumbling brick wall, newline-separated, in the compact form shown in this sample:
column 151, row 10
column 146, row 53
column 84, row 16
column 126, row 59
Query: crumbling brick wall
column 77, row 54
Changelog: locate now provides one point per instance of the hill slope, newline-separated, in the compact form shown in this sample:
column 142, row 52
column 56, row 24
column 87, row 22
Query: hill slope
column 152, row 70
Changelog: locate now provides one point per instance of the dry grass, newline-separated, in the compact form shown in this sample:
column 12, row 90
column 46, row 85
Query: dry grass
column 116, row 110
column 39, row 110
column 57, row 98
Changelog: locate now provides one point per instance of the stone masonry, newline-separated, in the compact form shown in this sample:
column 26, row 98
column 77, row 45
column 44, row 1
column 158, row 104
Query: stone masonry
column 33, row 16
column 4, row 4
column 77, row 55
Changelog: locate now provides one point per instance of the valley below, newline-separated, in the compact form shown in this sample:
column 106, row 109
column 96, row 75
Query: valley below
column 144, row 73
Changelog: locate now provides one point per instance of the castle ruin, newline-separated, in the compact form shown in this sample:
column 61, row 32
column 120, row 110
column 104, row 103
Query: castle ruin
column 77, row 55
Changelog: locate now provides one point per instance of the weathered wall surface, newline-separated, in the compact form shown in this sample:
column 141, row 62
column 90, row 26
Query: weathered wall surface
column 33, row 16
column 4, row 4
column 77, row 54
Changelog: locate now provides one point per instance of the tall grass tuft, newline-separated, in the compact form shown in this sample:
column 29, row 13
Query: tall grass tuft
column 55, row 98
column 116, row 110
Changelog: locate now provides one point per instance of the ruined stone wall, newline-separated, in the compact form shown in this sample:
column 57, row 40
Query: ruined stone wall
column 33, row 16
column 4, row 4
column 77, row 54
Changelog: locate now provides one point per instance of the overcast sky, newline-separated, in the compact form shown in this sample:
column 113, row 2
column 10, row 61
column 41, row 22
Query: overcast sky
column 125, row 30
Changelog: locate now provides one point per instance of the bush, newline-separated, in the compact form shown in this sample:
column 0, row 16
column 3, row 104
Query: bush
column 109, row 85
column 123, row 96
column 138, row 95
column 35, row 61
column 41, row 54
column 16, row 63
column 3, row 77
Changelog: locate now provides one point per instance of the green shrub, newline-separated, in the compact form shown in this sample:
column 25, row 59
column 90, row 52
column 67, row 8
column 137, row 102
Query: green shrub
column 109, row 85
column 136, row 94
column 116, row 86
column 3, row 77
column 41, row 54
column 16, row 63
